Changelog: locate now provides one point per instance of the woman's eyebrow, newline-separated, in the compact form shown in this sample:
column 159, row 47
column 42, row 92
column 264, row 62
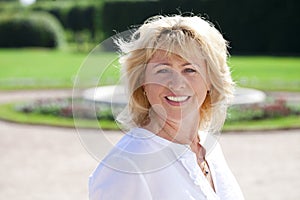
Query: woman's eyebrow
column 168, row 64
column 185, row 64
column 163, row 63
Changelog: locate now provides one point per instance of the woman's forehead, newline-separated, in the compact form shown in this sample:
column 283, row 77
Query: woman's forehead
column 160, row 55
column 166, row 56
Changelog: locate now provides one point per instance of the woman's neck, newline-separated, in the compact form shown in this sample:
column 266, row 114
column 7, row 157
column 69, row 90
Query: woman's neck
column 182, row 132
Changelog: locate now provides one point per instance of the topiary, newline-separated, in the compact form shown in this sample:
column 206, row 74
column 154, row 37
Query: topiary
column 35, row 29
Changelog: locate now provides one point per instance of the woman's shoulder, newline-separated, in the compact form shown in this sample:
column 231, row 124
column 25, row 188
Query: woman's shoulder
column 140, row 151
column 137, row 140
column 129, row 153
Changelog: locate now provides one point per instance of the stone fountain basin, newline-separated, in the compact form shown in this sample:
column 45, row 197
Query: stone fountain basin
column 115, row 94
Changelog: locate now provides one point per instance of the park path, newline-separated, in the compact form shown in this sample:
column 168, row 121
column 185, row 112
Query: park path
column 41, row 162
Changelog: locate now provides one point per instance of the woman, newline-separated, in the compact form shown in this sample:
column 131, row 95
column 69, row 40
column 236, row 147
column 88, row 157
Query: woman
column 179, row 87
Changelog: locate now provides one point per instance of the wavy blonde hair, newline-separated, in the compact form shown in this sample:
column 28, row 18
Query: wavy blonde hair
column 191, row 37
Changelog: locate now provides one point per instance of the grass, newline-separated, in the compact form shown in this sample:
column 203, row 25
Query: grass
column 40, row 68
column 288, row 122
column 8, row 113
column 267, row 73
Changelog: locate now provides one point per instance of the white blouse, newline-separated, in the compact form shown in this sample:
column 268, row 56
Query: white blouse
column 144, row 166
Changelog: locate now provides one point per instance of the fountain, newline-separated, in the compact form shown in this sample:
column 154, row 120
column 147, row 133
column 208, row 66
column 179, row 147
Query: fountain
column 114, row 94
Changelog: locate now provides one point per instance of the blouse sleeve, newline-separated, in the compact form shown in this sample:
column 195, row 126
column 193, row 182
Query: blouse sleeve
column 107, row 183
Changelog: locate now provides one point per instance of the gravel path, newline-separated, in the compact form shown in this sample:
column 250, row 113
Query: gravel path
column 40, row 162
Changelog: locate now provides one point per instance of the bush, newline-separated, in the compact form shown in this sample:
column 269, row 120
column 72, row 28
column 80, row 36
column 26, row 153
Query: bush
column 251, row 27
column 65, row 108
column 76, row 16
column 272, row 108
column 120, row 15
column 35, row 29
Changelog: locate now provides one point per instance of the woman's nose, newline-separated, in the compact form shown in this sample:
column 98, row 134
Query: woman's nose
column 177, row 81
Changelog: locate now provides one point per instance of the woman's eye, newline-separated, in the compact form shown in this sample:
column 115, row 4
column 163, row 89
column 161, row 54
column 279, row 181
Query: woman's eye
column 189, row 70
column 162, row 71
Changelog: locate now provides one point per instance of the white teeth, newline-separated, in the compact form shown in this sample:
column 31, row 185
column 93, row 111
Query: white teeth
column 178, row 98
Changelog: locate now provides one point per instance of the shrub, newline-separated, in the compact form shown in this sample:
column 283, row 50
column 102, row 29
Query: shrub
column 76, row 16
column 253, row 27
column 36, row 29
column 65, row 108
column 273, row 108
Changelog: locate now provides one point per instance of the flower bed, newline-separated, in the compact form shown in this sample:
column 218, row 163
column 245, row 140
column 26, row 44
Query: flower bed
column 272, row 108
column 60, row 107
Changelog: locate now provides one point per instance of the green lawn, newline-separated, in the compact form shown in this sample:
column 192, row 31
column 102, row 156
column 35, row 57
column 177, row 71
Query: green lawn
column 40, row 68
column 267, row 73
column 8, row 112
column 288, row 122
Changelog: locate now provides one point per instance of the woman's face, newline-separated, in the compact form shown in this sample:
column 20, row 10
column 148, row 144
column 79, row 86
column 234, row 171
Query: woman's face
column 175, row 87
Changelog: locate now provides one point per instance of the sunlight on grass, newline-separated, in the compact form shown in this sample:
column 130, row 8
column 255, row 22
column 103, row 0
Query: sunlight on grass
column 41, row 68
column 266, row 124
column 266, row 73
column 7, row 112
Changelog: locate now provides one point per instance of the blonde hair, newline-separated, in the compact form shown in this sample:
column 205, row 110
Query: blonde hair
column 190, row 37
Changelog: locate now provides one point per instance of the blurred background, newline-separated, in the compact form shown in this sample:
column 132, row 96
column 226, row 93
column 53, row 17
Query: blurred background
column 45, row 43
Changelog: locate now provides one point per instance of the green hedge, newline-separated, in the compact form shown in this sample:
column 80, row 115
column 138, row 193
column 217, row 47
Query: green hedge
column 76, row 17
column 251, row 26
column 120, row 16
column 30, row 30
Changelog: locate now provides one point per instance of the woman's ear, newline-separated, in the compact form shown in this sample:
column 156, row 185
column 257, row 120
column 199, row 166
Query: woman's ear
column 144, row 90
column 208, row 86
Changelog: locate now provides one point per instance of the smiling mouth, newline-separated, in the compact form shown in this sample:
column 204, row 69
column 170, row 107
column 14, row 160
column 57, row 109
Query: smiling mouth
column 177, row 99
